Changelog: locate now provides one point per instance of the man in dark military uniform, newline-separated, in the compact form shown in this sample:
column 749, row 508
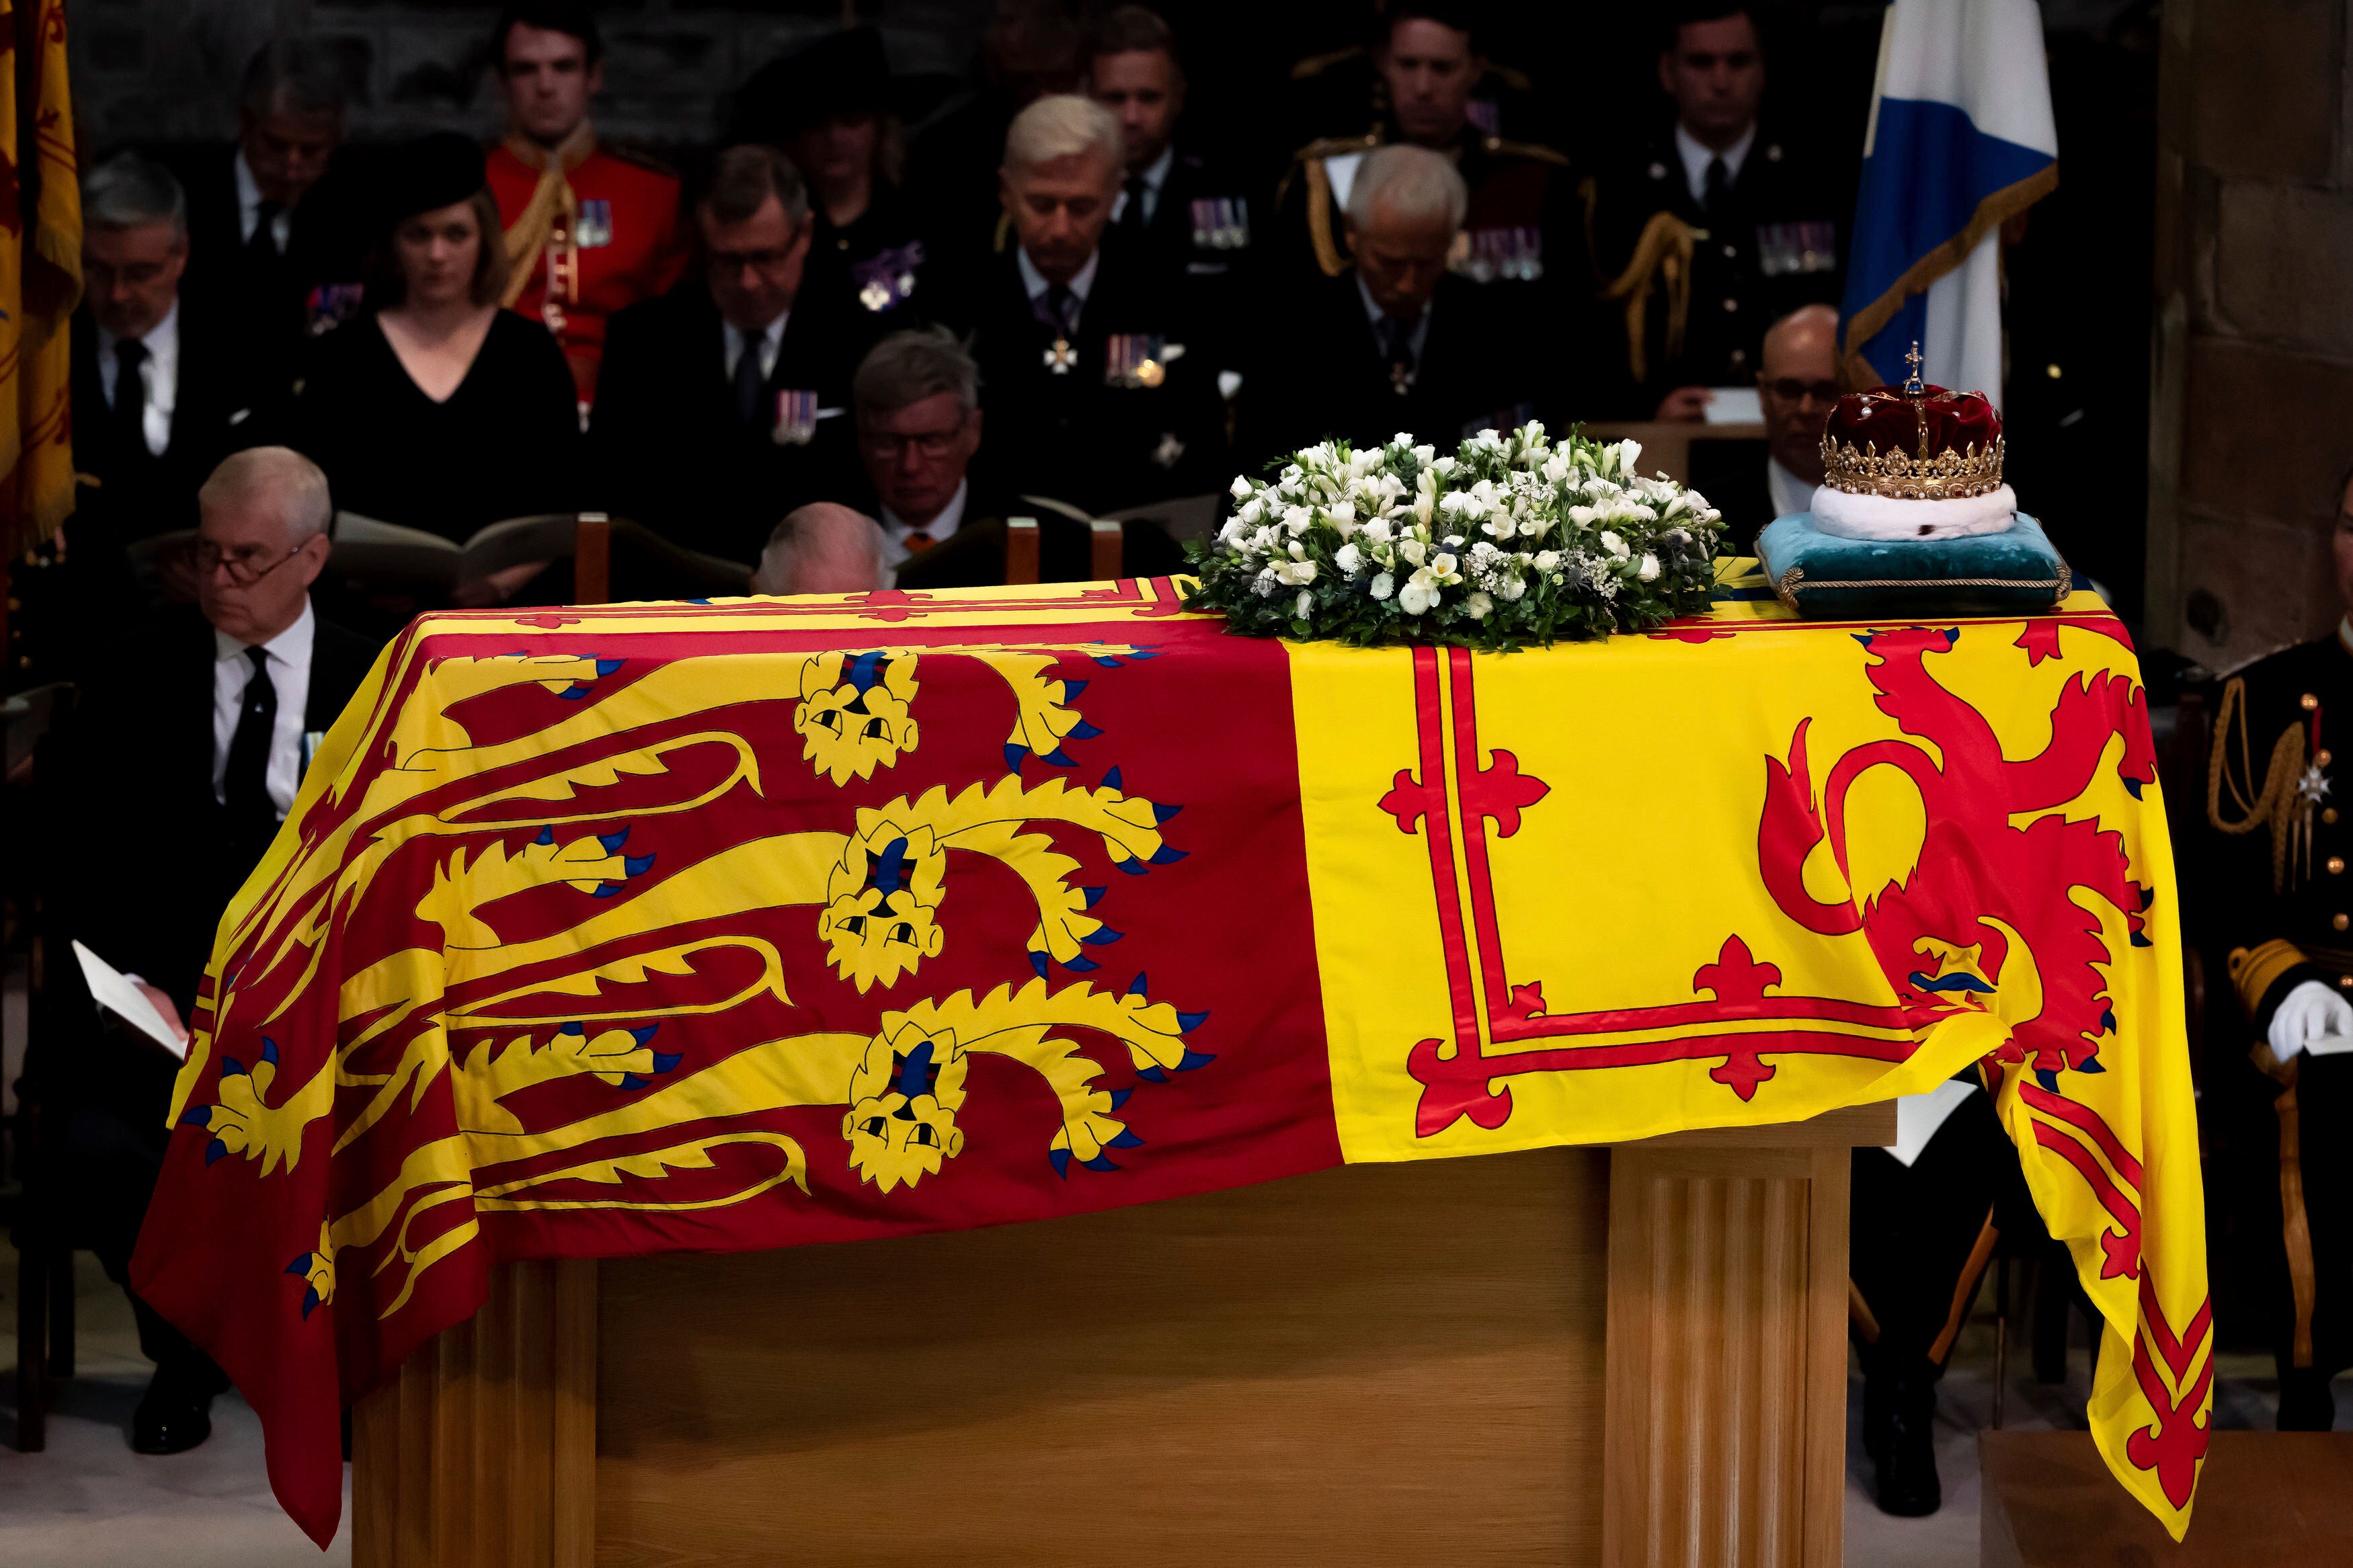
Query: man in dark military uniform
column 1523, row 224
column 1093, row 393
column 1190, row 217
column 726, row 406
column 2285, row 923
column 1717, row 228
column 1337, row 86
column 1399, row 342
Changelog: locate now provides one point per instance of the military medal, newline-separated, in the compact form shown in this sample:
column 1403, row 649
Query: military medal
column 1222, row 222
column 795, row 419
column 1134, row 360
column 887, row 279
column 594, row 228
column 1061, row 356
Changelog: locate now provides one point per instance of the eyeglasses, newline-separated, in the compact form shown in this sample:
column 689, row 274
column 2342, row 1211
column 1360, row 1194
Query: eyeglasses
column 924, row 443
column 728, row 262
column 244, row 567
column 1790, row 389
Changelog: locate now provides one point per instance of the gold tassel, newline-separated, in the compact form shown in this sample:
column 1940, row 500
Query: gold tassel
column 1663, row 251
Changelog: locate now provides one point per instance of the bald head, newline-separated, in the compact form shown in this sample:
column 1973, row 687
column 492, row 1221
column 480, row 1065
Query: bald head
column 1798, row 385
column 822, row 548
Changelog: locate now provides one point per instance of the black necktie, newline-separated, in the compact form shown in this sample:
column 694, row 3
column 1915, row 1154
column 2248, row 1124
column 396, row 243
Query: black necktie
column 253, row 817
column 1396, row 338
column 751, row 386
column 129, row 409
column 1719, row 184
column 1131, row 216
column 263, row 244
column 1059, row 302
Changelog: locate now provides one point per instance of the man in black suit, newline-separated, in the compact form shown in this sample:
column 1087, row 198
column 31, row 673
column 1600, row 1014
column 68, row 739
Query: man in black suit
column 1748, row 215
column 279, row 242
column 919, row 428
column 160, row 388
column 1180, row 208
column 167, row 785
column 1399, row 342
column 1093, row 396
column 721, row 408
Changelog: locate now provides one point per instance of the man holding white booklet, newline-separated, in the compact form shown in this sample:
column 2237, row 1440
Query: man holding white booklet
column 170, row 779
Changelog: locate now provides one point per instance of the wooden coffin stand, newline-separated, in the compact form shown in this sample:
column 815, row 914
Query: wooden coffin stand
column 1625, row 1355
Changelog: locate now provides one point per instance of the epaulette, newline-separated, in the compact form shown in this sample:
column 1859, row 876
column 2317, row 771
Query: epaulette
column 1501, row 147
column 1334, row 146
column 638, row 157
column 1316, row 65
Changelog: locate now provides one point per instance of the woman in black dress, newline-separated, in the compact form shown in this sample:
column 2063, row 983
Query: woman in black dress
column 434, row 409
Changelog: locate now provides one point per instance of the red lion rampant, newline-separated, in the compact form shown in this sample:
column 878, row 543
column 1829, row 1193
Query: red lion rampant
column 1991, row 906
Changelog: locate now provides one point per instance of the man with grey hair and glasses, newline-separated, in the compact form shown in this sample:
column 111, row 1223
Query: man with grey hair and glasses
column 723, row 405
column 162, row 389
column 1094, row 393
column 279, row 243
column 183, row 756
column 1399, row 342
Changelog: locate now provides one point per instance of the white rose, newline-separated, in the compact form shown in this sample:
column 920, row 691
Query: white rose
column 1402, row 438
column 1253, row 510
column 1547, row 559
column 1478, row 605
column 1649, row 568
column 1232, row 534
column 1424, row 455
column 1297, row 573
column 1383, row 585
column 1241, row 488
column 1307, row 602
column 1347, row 558
column 1413, row 549
column 1612, row 543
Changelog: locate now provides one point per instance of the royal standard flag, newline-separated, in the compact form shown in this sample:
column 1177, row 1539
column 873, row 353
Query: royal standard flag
column 1960, row 138
column 654, row 928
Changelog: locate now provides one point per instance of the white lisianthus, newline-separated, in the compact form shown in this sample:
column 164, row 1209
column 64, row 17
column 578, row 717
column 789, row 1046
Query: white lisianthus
column 1478, row 605
column 1348, row 559
column 1253, row 510
column 1547, row 559
column 1233, row 533
column 1649, row 570
column 1425, row 455
column 1383, row 585
column 1241, row 488
column 1307, row 602
column 1296, row 573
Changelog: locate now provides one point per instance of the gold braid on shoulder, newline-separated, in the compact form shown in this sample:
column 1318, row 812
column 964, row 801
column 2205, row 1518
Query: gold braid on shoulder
column 1664, row 253
column 2278, row 805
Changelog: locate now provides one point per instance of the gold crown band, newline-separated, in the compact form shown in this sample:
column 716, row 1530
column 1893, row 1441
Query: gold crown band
column 1947, row 476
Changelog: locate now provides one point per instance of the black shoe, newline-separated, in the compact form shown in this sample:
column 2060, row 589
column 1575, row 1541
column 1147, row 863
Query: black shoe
column 170, row 1419
column 1908, row 1487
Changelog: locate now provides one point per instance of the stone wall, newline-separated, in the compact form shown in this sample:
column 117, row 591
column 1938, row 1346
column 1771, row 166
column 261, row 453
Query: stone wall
column 2251, row 409
column 149, row 70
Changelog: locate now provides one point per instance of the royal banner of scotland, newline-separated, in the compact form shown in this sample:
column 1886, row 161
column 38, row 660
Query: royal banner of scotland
column 706, row 927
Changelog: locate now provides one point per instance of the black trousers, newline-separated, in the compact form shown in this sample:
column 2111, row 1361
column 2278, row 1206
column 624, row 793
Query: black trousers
column 1920, row 1236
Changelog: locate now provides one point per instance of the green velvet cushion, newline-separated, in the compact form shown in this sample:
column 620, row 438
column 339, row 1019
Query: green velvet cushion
column 1823, row 577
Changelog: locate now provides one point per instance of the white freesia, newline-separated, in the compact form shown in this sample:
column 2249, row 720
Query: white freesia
column 1441, row 566
column 1296, row 520
column 1378, row 530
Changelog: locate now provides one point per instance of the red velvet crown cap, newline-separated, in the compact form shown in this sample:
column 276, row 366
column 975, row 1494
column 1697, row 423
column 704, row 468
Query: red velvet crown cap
column 1883, row 418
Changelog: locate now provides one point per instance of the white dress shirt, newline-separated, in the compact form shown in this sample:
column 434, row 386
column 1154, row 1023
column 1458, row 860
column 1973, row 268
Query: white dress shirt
column 160, row 370
column 897, row 530
column 772, row 344
column 248, row 208
column 1034, row 283
column 1697, row 154
column 289, row 658
column 1155, row 175
column 1374, row 314
column 1790, row 494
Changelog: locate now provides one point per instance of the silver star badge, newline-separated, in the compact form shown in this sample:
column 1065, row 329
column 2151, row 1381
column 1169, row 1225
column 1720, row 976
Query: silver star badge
column 1061, row 357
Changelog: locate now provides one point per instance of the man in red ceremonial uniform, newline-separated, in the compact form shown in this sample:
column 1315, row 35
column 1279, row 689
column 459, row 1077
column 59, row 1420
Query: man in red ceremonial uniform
column 590, row 229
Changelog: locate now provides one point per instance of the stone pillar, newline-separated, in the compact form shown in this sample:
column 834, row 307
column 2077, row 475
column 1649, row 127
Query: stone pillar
column 2253, row 380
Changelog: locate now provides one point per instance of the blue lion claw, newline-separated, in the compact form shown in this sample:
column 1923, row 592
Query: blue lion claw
column 636, row 865
column 1060, row 1160
column 1188, row 1022
column 1194, row 1059
column 1162, row 812
column 214, row 1151
column 1136, row 986
column 1113, row 782
column 612, row 842
column 1082, row 730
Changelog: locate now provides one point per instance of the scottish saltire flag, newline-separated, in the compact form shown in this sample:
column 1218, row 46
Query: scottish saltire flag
column 1961, row 137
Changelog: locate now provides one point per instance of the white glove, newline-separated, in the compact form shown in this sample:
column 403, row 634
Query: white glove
column 2315, row 1016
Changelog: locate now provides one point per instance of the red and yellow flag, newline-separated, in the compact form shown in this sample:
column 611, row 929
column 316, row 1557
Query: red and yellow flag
column 650, row 927
column 40, row 275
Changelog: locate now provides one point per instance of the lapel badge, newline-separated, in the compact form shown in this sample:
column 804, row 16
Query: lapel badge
column 796, row 423
column 1169, row 450
column 1061, row 356
column 887, row 279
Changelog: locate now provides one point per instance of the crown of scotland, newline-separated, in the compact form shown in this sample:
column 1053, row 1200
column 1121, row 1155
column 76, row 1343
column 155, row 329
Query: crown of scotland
column 1918, row 442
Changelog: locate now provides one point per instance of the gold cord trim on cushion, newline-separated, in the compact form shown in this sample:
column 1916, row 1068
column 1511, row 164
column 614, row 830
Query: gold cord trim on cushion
column 1785, row 588
column 551, row 199
column 2275, row 804
column 1665, row 249
column 2254, row 971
